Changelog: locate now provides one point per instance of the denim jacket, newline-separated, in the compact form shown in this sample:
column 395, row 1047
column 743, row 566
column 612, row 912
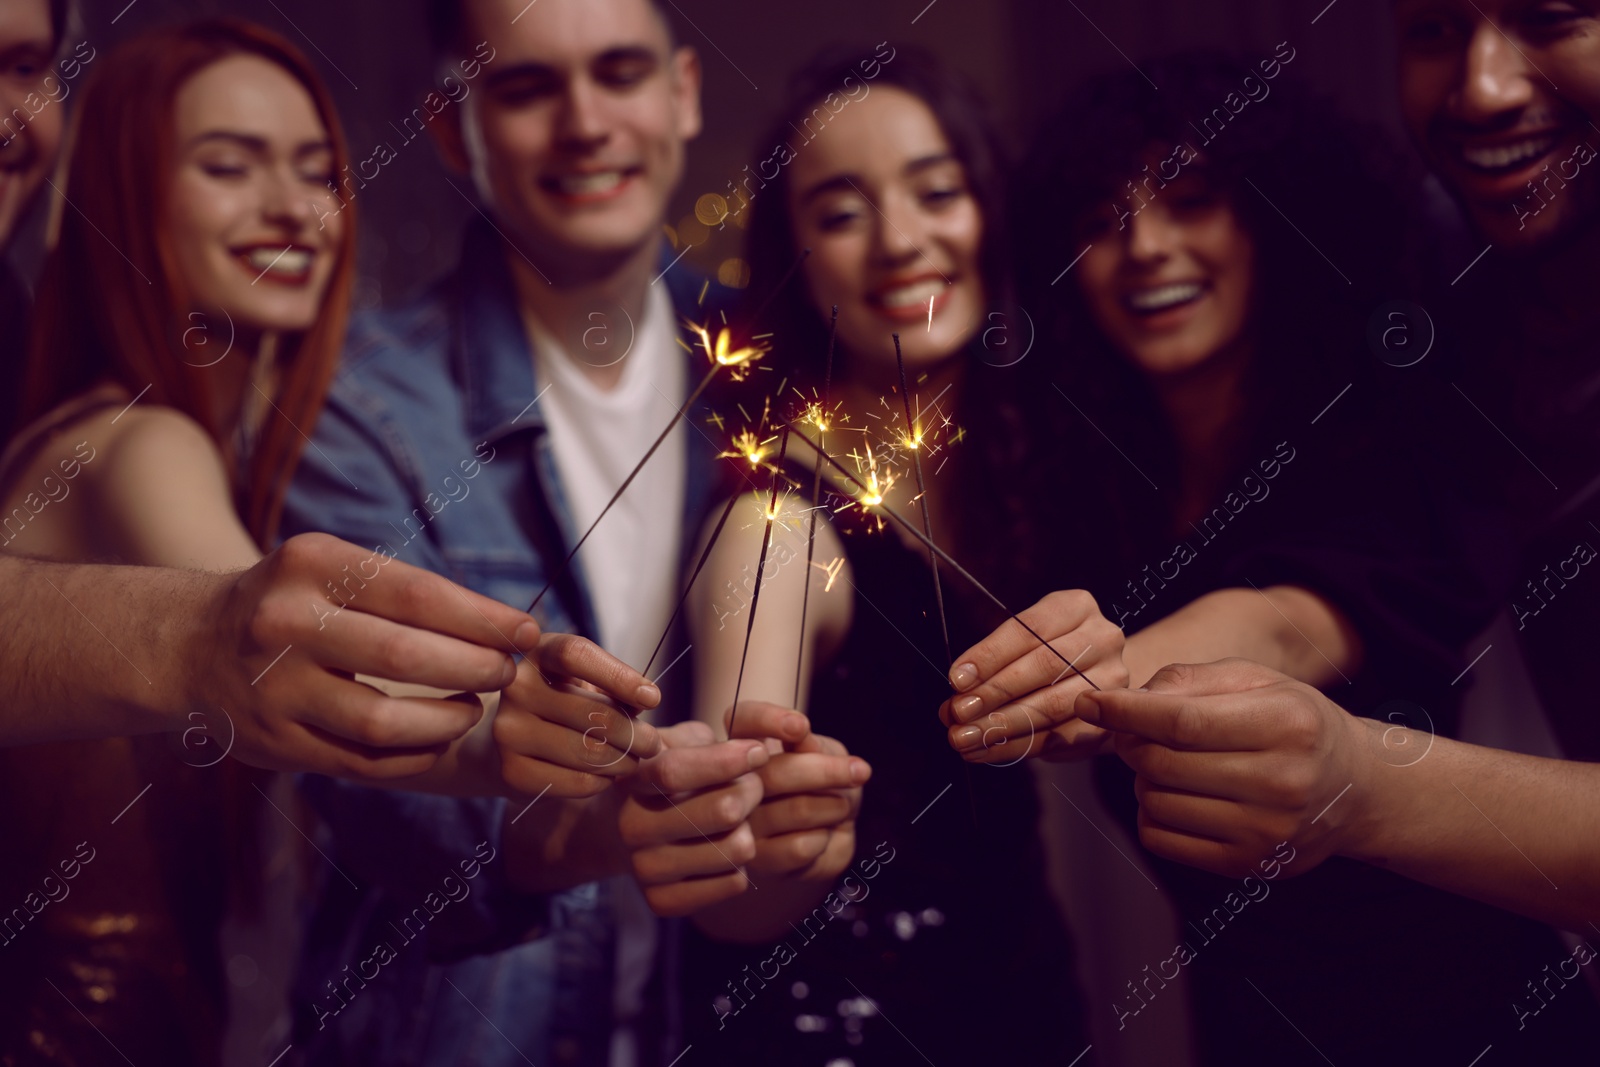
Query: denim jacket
column 432, row 447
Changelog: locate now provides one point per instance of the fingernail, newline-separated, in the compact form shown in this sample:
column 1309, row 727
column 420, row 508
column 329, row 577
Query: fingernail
column 525, row 637
column 966, row 707
column 796, row 725
column 967, row 737
column 647, row 696
column 1087, row 710
column 964, row 676
column 758, row 756
column 508, row 672
column 860, row 771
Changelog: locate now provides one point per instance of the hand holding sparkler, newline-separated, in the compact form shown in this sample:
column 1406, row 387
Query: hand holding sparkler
column 563, row 723
column 1011, row 687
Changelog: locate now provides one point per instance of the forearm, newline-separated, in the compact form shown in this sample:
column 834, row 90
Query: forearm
column 1515, row 831
column 1289, row 629
column 98, row 651
column 765, row 911
column 555, row 844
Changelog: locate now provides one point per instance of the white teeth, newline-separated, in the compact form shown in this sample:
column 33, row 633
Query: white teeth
column 1502, row 156
column 589, row 184
column 915, row 293
column 280, row 260
column 1164, row 296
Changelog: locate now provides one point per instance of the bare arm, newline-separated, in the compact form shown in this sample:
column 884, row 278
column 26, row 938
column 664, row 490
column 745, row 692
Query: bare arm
column 1289, row 629
column 1233, row 760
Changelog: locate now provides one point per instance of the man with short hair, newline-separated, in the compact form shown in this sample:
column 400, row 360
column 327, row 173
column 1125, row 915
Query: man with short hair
column 488, row 426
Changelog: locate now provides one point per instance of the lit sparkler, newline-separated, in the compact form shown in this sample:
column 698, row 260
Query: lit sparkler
column 913, row 437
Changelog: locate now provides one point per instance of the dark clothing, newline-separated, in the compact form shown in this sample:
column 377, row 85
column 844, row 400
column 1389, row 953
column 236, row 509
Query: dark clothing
column 947, row 897
column 1347, row 962
column 14, row 306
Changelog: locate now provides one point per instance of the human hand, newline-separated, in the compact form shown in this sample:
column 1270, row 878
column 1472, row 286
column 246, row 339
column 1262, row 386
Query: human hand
column 559, row 726
column 266, row 648
column 685, row 819
column 1015, row 697
column 1233, row 759
column 804, row 827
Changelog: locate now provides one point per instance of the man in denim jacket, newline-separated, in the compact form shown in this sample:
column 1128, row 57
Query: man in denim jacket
column 477, row 432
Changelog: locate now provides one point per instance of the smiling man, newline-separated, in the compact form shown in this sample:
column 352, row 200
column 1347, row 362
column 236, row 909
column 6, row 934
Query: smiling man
column 488, row 424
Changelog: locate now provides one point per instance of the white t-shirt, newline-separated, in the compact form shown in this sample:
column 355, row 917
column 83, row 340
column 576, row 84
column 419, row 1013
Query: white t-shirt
column 631, row 560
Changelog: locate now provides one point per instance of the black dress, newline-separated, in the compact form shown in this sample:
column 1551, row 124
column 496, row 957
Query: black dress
column 942, row 942
column 1347, row 963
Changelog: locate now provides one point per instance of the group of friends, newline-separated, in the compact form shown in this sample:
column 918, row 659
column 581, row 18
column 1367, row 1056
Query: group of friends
column 1209, row 386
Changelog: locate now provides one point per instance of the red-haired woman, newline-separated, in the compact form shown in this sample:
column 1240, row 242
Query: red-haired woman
column 188, row 321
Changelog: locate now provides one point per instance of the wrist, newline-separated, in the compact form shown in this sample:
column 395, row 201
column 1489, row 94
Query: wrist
column 1362, row 837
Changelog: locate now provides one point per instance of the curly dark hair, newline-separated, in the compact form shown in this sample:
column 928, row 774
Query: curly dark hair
column 1317, row 194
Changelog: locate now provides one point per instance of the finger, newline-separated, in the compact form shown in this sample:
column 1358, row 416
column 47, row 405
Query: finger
column 702, row 857
column 1207, row 854
column 1212, row 679
column 804, row 811
column 1092, row 651
column 683, row 770
column 1003, row 751
column 358, row 713
column 310, row 748
column 571, row 656
column 807, row 772
column 1055, row 616
column 359, row 643
column 690, row 734
column 688, row 897
column 606, row 747
column 1214, row 724
column 660, row 819
column 594, row 718
column 1075, row 740
column 1244, row 777
column 790, row 853
column 758, row 718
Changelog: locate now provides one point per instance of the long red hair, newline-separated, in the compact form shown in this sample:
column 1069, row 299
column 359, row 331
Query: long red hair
column 112, row 307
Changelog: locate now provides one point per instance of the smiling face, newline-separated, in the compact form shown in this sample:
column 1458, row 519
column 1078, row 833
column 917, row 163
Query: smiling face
column 252, row 178
column 30, row 113
column 577, row 138
column 893, row 229
column 1478, row 89
column 1172, row 288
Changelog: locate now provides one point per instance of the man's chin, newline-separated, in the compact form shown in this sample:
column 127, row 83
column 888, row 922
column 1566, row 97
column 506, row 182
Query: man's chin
column 1522, row 234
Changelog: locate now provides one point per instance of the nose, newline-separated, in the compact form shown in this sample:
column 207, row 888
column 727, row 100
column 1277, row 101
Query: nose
column 1149, row 236
column 1495, row 78
column 898, row 234
column 284, row 201
column 582, row 122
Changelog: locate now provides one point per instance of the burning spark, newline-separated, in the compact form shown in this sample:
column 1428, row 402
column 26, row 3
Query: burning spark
column 747, row 446
column 722, row 352
column 831, row 570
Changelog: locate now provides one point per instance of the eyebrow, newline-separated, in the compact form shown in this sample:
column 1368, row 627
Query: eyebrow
column 256, row 144
column 536, row 69
column 849, row 181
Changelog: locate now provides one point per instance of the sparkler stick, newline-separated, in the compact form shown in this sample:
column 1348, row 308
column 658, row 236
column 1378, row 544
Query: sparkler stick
column 946, row 557
column 705, row 382
column 698, row 567
column 761, row 566
column 914, row 443
column 816, row 501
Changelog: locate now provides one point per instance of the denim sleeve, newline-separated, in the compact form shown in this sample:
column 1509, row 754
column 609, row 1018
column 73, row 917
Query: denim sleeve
column 350, row 484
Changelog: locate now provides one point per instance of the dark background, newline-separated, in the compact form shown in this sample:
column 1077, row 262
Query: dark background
column 1022, row 53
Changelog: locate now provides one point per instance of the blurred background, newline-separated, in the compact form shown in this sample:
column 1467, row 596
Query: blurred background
column 1023, row 54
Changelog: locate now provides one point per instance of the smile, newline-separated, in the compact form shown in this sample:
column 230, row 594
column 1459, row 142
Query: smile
column 1163, row 297
column 1493, row 159
column 589, row 185
column 281, row 263
column 911, row 295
